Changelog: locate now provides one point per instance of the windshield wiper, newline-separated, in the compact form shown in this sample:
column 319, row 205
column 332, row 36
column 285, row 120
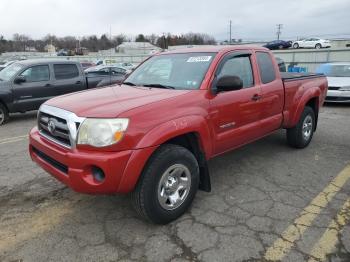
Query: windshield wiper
column 159, row 86
column 129, row 83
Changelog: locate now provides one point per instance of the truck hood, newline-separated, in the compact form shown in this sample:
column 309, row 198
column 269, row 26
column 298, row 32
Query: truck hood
column 111, row 101
column 338, row 81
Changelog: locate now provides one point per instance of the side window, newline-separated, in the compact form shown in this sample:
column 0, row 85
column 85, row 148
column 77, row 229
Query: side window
column 67, row 71
column 241, row 67
column 117, row 71
column 104, row 71
column 37, row 73
column 266, row 68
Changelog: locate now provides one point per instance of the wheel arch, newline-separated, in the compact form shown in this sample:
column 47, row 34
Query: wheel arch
column 190, row 132
column 310, row 98
column 191, row 141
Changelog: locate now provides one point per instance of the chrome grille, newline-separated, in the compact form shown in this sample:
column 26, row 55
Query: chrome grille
column 58, row 125
column 60, row 132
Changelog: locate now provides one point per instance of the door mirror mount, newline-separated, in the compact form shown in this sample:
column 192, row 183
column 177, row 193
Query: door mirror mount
column 228, row 83
column 19, row 79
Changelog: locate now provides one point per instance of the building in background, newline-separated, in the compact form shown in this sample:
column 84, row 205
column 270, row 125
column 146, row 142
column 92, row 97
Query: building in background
column 50, row 48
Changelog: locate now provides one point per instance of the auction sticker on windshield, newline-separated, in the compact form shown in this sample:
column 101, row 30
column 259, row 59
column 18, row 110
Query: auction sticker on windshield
column 196, row 59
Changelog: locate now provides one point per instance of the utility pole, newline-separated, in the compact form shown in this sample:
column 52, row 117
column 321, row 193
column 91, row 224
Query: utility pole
column 110, row 39
column 230, row 32
column 279, row 32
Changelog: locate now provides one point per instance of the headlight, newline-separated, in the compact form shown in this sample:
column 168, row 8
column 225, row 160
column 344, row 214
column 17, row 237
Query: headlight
column 102, row 132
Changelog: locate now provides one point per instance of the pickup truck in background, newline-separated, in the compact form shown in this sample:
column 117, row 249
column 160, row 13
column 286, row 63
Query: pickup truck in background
column 25, row 85
column 153, row 135
column 104, row 75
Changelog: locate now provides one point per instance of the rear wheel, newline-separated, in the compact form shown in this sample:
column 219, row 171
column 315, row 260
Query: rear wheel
column 168, row 184
column 4, row 114
column 318, row 46
column 296, row 46
column 300, row 136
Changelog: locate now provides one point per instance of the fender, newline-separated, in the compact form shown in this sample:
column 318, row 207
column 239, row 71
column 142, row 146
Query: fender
column 157, row 136
column 177, row 127
column 310, row 93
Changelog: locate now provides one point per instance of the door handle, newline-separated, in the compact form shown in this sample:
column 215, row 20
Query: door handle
column 78, row 82
column 47, row 85
column 256, row 97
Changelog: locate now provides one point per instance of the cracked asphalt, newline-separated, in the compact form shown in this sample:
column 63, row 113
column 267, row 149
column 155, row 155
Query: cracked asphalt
column 258, row 192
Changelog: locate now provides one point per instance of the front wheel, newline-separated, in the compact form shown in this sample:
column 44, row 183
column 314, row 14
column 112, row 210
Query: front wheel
column 300, row 136
column 168, row 184
column 296, row 46
column 318, row 46
column 4, row 114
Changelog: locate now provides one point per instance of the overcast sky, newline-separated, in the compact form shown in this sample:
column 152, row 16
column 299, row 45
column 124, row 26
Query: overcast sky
column 251, row 19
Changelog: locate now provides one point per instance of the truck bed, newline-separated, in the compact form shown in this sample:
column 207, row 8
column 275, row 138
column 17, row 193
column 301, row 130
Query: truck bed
column 287, row 76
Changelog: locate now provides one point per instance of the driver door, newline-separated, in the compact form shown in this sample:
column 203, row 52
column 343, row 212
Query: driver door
column 35, row 90
column 236, row 115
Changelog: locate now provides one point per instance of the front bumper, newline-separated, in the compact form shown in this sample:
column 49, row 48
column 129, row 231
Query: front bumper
column 338, row 96
column 73, row 167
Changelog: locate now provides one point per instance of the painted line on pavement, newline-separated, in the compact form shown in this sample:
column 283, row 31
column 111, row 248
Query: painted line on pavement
column 329, row 239
column 13, row 139
column 295, row 231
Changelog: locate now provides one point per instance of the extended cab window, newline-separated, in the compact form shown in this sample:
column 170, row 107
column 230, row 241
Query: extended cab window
column 241, row 67
column 67, row 71
column 266, row 68
column 37, row 73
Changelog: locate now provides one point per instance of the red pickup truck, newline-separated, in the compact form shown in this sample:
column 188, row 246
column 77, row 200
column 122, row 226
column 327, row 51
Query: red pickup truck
column 154, row 134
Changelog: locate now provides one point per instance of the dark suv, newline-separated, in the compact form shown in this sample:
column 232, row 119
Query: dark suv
column 25, row 85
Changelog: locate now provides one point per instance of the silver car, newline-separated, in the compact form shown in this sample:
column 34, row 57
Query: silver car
column 338, row 76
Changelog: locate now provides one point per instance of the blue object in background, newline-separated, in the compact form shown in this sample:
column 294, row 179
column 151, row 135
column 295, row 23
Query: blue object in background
column 324, row 69
column 297, row 69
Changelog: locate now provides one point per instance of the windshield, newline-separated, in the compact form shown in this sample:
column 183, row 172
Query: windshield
column 339, row 71
column 8, row 72
column 334, row 70
column 177, row 71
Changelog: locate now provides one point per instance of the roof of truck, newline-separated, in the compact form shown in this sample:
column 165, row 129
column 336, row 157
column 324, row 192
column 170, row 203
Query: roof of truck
column 216, row 49
column 44, row 60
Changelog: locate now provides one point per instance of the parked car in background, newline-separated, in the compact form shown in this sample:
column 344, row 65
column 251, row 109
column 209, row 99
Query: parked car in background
column 312, row 43
column 102, row 75
column 153, row 135
column 65, row 52
column 25, row 85
column 6, row 64
column 338, row 76
column 86, row 65
column 278, row 44
column 126, row 65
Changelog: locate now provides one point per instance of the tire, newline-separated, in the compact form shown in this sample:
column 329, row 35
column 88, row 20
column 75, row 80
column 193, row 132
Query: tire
column 318, row 46
column 301, row 135
column 4, row 114
column 280, row 47
column 296, row 46
column 158, row 182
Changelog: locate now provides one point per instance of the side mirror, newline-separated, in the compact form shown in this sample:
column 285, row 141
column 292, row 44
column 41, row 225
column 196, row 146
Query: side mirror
column 228, row 83
column 19, row 79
